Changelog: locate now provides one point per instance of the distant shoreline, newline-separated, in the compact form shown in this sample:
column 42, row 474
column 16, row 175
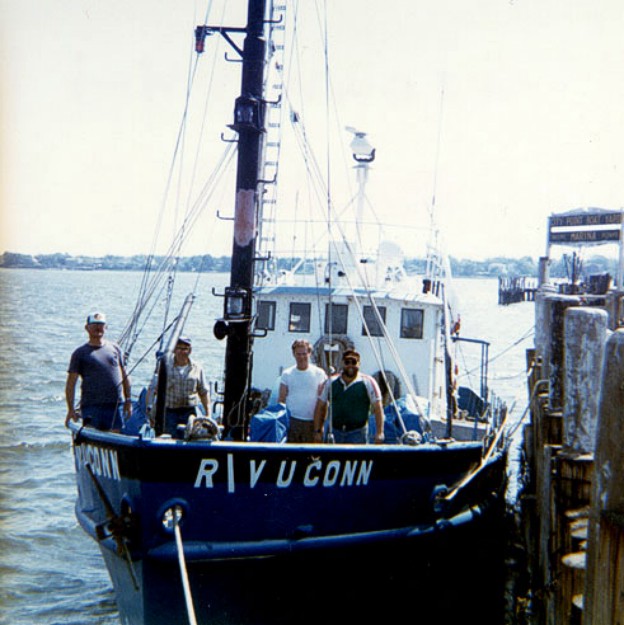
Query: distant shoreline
column 488, row 268
column 195, row 264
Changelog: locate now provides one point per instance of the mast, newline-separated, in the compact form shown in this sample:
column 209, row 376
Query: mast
column 249, row 113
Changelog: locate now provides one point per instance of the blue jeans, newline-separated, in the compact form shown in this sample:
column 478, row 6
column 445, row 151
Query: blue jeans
column 351, row 437
column 175, row 417
column 103, row 416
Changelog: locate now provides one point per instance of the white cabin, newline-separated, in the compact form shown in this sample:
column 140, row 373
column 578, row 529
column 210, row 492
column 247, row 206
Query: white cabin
column 413, row 324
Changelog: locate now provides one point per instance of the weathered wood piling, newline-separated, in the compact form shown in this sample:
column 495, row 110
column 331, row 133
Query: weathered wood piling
column 573, row 447
column 604, row 589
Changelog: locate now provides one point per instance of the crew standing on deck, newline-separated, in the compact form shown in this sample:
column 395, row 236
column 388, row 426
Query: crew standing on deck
column 352, row 395
column 299, row 389
column 105, row 386
column 186, row 388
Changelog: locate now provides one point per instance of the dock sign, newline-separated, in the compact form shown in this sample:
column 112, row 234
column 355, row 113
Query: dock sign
column 585, row 228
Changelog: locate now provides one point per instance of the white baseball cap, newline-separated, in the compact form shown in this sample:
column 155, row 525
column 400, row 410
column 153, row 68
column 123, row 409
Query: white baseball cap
column 96, row 317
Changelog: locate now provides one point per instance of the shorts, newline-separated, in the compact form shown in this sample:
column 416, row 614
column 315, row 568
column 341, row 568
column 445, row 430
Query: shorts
column 301, row 431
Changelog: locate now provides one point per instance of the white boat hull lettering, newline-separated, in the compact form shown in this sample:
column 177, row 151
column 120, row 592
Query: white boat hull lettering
column 102, row 461
column 329, row 474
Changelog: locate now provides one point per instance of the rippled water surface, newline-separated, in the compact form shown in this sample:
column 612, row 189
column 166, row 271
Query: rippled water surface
column 50, row 572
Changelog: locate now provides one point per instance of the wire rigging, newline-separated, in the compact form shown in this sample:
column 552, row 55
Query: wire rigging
column 154, row 279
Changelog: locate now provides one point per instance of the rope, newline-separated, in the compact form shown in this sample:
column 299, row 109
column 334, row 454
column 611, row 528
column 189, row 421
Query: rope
column 469, row 372
column 190, row 610
column 537, row 386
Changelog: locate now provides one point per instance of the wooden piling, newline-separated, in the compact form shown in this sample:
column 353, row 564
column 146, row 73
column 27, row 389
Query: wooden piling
column 604, row 588
column 558, row 306
column 585, row 331
column 550, row 309
column 564, row 413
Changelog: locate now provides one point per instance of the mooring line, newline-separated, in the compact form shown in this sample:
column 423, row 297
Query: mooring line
column 183, row 572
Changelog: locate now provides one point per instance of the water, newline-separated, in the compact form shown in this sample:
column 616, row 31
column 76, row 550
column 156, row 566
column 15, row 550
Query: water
column 51, row 573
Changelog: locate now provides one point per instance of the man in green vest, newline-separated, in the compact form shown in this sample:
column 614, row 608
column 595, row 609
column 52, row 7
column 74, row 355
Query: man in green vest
column 353, row 396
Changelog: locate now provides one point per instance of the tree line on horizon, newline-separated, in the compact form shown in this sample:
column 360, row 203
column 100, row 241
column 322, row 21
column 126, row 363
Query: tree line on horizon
column 491, row 267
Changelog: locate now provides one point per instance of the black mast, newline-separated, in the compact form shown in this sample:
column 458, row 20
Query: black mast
column 249, row 124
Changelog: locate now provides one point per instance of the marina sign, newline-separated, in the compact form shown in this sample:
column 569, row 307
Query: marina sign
column 597, row 219
column 585, row 236
column 585, row 228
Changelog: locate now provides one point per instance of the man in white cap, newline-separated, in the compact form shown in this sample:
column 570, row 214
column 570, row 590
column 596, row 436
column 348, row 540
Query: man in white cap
column 105, row 386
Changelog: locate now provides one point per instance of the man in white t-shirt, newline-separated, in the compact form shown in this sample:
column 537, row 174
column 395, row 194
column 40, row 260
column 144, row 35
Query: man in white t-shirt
column 299, row 389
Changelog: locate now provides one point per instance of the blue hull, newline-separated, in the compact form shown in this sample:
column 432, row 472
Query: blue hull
column 271, row 514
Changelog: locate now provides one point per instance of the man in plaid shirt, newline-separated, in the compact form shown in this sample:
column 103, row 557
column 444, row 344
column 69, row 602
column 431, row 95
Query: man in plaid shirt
column 186, row 388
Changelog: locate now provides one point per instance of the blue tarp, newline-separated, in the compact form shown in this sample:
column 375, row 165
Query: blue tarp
column 139, row 416
column 270, row 425
column 392, row 425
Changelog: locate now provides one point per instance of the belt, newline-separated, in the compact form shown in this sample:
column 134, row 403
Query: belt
column 344, row 428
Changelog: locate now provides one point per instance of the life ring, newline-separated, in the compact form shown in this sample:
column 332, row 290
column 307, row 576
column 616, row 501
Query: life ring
column 328, row 351
column 388, row 381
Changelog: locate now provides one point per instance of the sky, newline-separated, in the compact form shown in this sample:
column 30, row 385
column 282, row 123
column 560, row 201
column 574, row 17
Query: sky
column 503, row 111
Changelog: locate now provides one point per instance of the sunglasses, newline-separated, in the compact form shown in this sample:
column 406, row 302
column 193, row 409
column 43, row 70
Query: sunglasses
column 350, row 361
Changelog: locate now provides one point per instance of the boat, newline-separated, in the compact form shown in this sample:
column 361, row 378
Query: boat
column 214, row 525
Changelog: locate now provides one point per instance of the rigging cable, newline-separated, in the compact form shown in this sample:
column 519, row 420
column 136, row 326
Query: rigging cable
column 524, row 337
column 330, row 316
column 433, row 245
column 146, row 290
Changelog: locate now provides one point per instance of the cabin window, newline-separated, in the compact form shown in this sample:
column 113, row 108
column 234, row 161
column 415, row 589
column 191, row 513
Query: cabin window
column 372, row 320
column 412, row 323
column 336, row 318
column 299, row 319
column 266, row 315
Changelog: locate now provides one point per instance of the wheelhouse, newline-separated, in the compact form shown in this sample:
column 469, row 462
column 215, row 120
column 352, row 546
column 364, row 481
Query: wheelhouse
column 386, row 327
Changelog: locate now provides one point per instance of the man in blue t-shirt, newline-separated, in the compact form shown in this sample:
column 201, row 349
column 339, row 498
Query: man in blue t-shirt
column 105, row 386
column 352, row 395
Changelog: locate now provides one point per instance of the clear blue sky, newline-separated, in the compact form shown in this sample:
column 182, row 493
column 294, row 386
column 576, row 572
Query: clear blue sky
column 531, row 120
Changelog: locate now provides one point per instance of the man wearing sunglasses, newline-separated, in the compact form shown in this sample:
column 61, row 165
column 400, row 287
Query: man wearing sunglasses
column 353, row 396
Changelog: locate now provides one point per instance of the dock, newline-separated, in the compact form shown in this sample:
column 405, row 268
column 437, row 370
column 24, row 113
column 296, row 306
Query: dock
column 512, row 290
column 572, row 501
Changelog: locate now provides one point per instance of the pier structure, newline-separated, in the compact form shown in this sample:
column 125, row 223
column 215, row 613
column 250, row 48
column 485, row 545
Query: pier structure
column 512, row 290
column 572, row 499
